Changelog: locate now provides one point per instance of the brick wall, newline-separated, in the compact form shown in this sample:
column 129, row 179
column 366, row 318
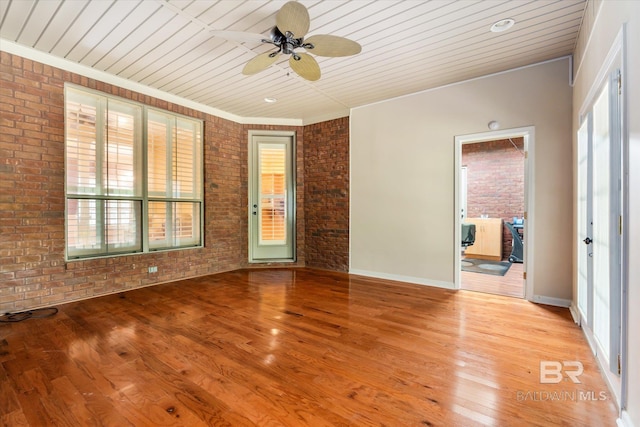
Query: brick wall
column 327, row 194
column 495, row 182
column 33, row 272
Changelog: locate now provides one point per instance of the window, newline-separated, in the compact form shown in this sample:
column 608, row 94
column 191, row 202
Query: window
column 132, row 185
column 273, row 194
column 174, row 180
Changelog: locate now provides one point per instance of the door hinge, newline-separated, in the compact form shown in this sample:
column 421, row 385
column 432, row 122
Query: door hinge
column 619, row 365
column 524, row 215
column 524, row 275
column 526, row 154
column 620, row 225
column 619, row 83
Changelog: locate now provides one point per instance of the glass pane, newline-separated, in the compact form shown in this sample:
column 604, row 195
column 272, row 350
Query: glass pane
column 583, row 249
column 174, row 150
column 102, row 227
column 158, row 214
column 187, row 223
column 272, row 187
column 122, row 162
column 272, row 221
column 601, row 220
column 158, row 143
column 174, row 224
column 122, row 226
column 186, row 160
column 84, row 236
column 81, row 152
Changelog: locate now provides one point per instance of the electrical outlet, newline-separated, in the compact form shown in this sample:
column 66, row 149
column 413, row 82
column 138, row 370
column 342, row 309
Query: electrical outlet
column 153, row 269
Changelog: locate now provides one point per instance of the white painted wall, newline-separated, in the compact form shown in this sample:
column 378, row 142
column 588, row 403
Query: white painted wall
column 597, row 39
column 402, row 174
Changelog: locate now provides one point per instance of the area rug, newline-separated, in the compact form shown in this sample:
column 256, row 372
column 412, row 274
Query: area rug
column 495, row 268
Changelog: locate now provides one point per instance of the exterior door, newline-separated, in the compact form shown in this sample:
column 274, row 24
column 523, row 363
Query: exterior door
column 585, row 223
column 599, row 222
column 271, row 198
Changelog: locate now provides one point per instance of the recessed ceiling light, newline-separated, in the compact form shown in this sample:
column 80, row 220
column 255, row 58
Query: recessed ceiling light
column 502, row 25
column 270, row 100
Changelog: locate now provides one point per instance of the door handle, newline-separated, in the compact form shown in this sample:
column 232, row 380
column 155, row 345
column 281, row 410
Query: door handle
column 587, row 240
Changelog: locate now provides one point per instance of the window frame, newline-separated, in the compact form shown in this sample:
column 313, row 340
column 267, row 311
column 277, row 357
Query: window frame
column 141, row 174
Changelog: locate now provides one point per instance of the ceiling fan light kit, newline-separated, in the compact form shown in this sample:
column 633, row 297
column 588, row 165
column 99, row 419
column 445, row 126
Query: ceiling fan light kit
column 292, row 24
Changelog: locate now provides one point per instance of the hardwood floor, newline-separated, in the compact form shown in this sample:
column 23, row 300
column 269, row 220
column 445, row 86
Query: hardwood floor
column 297, row 347
column 511, row 284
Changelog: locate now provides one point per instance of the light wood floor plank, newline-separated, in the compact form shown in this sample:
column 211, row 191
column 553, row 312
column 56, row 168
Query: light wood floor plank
column 293, row 347
column 511, row 284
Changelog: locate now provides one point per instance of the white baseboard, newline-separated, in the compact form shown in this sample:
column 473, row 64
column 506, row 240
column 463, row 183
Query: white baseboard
column 612, row 381
column 400, row 278
column 558, row 302
column 624, row 420
column 575, row 314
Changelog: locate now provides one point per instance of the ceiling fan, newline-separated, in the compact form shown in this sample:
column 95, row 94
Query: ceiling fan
column 292, row 24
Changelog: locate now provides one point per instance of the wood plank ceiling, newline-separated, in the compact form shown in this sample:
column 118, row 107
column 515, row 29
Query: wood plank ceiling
column 407, row 46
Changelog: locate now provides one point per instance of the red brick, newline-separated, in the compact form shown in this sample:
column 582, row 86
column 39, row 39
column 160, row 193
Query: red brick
column 495, row 187
column 327, row 194
column 32, row 142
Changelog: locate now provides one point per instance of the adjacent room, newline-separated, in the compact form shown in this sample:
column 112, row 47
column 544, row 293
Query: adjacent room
column 492, row 199
column 318, row 213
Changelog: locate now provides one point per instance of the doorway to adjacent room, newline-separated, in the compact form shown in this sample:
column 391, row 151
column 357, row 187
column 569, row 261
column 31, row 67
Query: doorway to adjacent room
column 491, row 196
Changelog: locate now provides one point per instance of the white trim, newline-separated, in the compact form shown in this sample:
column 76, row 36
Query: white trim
column 400, row 278
column 575, row 314
column 74, row 67
column 528, row 133
column 557, row 302
column 260, row 120
column 624, row 420
column 624, row 259
column 603, row 74
column 350, row 244
column 611, row 380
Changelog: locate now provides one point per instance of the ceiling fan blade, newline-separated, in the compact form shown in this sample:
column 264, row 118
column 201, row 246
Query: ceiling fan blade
column 239, row 36
column 306, row 66
column 294, row 18
column 326, row 45
column 259, row 63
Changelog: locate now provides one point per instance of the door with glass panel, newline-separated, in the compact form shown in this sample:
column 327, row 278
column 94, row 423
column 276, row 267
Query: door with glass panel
column 271, row 198
column 585, row 222
column 599, row 222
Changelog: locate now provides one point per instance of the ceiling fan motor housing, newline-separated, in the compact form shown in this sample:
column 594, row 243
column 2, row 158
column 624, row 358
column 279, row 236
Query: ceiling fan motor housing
column 287, row 43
